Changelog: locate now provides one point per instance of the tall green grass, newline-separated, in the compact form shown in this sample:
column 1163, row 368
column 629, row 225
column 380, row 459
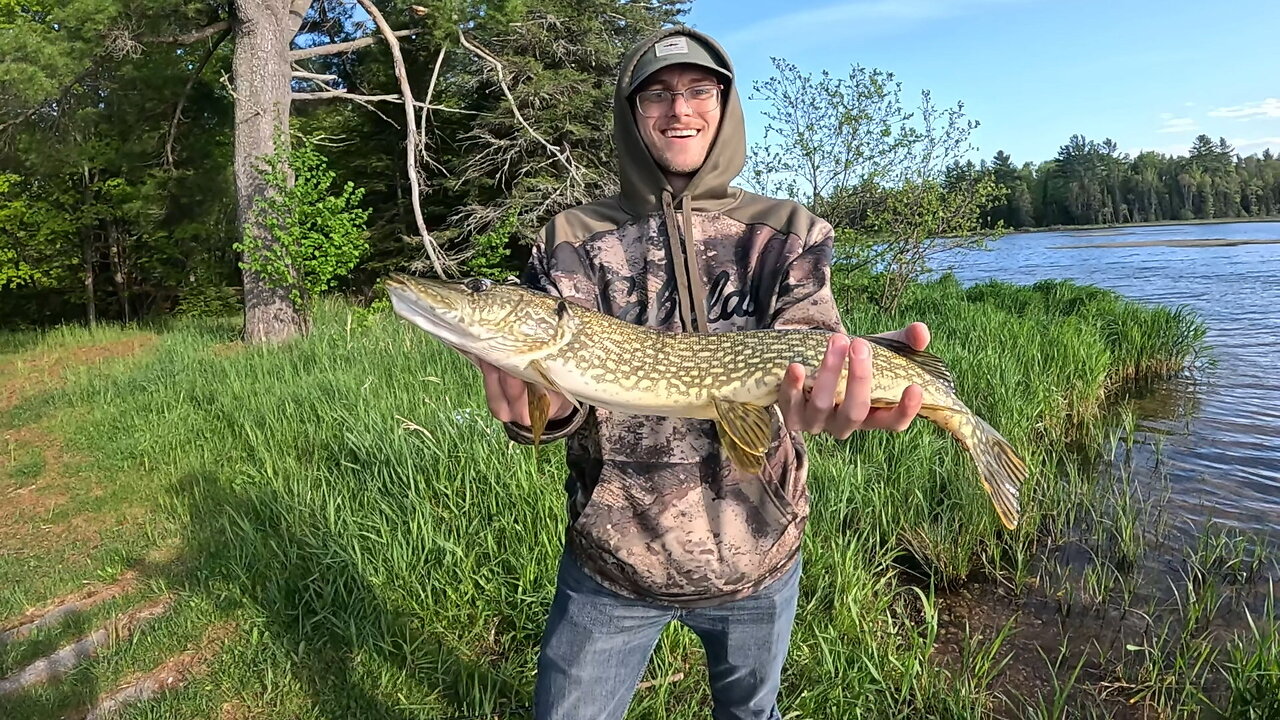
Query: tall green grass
column 388, row 553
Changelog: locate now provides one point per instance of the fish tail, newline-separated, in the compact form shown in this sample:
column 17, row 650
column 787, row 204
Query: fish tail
column 1000, row 469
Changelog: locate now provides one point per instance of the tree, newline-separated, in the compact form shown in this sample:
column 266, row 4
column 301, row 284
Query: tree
column 263, row 32
column 931, row 202
column 1017, row 211
column 134, row 229
column 827, row 137
column 150, row 88
column 849, row 150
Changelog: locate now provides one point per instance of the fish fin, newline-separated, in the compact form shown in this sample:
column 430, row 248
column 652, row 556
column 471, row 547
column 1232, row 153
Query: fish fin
column 1000, row 469
column 932, row 364
column 743, row 459
column 566, row 324
column 539, row 408
column 537, row 368
column 749, row 427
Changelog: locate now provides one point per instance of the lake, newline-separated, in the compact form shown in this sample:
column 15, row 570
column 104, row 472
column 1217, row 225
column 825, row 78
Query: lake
column 1218, row 426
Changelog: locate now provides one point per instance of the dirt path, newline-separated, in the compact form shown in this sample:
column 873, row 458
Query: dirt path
column 36, row 473
column 55, row 516
column 25, row 374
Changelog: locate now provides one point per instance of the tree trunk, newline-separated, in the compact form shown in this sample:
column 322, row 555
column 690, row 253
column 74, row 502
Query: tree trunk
column 263, row 31
column 91, row 311
column 116, row 254
column 86, row 242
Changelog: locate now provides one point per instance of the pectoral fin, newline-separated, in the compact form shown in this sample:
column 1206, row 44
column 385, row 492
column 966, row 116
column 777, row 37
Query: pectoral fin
column 741, row 458
column 541, row 371
column 745, row 432
column 539, row 409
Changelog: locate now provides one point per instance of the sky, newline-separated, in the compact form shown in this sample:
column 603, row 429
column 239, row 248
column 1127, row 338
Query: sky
column 1149, row 75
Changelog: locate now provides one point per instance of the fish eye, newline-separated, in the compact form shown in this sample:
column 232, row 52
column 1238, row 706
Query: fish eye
column 478, row 285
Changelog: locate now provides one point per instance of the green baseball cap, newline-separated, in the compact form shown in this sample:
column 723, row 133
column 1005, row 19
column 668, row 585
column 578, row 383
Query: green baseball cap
column 674, row 50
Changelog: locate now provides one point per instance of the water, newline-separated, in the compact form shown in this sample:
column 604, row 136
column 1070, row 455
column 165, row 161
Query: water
column 1218, row 427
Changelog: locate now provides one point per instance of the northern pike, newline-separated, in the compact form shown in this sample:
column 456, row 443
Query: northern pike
column 732, row 378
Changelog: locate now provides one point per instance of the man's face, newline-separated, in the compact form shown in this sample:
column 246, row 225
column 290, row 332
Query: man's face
column 678, row 138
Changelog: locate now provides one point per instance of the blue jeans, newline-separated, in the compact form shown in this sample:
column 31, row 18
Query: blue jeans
column 597, row 644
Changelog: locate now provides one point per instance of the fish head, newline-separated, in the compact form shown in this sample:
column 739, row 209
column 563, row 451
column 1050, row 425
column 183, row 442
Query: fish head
column 494, row 321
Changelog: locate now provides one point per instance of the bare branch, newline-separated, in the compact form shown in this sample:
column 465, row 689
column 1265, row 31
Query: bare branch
column 364, row 100
column 560, row 154
column 324, row 140
column 411, row 135
column 335, row 48
column 336, row 92
column 331, row 94
column 191, row 81
column 431, row 89
column 297, row 13
column 193, row 36
column 313, row 76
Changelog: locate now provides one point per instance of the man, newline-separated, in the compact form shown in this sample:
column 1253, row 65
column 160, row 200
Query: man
column 661, row 526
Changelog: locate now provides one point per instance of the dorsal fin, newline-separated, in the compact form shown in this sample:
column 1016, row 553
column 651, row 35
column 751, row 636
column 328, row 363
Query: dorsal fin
column 566, row 324
column 927, row 360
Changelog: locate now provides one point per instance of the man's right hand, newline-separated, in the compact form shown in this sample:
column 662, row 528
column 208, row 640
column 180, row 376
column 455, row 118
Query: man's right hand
column 508, row 397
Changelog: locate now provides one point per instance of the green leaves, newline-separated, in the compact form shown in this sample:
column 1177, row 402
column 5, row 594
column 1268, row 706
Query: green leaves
column 34, row 230
column 313, row 236
column 888, row 177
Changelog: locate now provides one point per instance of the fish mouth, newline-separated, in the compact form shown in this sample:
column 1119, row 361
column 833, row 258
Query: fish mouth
column 433, row 306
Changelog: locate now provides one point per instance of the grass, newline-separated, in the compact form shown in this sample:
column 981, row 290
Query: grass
column 347, row 504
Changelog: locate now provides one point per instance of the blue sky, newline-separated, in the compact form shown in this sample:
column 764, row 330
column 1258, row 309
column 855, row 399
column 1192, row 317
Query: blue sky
column 1150, row 75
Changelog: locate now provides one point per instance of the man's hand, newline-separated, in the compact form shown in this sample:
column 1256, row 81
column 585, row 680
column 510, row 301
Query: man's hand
column 819, row 413
column 509, row 398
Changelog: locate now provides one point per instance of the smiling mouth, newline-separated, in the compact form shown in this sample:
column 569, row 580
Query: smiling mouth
column 680, row 134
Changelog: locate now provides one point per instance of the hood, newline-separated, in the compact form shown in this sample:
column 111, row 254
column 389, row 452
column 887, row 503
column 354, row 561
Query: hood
column 641, row 179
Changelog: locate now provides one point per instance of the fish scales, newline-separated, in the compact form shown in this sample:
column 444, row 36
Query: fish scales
column 744, row 366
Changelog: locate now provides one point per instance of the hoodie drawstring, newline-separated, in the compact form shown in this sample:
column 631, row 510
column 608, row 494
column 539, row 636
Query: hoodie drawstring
column 688, row 308
column 698, row 289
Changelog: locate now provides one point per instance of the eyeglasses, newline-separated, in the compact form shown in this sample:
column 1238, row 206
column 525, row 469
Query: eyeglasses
column 700, row 98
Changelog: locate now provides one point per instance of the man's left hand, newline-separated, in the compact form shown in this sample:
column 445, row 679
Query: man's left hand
column 818, row 412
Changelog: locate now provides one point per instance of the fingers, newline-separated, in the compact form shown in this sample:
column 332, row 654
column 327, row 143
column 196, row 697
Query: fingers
column 505, row 395
column 822, row 399
column 560, row 405
column 915, row 334
column 857, row 392
column 791, row 397
column 898, row 417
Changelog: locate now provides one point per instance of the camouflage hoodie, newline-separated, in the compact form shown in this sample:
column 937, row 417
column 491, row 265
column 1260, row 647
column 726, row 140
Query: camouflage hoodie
column 655, row 509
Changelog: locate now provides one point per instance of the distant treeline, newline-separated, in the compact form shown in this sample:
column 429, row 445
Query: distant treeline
column 1090, row 183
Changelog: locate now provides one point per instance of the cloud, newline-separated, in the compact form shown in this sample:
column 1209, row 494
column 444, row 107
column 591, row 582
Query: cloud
column 861, row 17
column 1269, row 108
column 1170, row 123
column 1246, row 148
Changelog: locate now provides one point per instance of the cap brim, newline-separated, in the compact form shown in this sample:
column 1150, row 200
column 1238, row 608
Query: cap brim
column 636, row 83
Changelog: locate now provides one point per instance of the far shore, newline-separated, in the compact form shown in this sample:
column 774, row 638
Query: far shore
column 1151, row 223
column 1182, row 242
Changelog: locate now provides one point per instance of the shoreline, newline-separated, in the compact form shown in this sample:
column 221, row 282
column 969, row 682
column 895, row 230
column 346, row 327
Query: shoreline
column 1171, row 242
column 1149, row 223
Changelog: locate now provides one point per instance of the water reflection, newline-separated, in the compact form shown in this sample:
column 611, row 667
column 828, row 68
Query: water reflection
column 1217, row 427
